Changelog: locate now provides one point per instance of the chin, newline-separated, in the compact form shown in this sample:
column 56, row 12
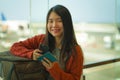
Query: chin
column 56, row 35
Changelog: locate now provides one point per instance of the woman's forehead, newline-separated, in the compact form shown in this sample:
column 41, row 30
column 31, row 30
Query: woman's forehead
column 54, row 15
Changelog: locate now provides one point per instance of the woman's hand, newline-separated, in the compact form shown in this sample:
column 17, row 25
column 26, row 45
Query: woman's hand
column 36, row 54
column 47, row 63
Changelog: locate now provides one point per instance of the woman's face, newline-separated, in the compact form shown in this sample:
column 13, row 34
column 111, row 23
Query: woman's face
column 55, row 25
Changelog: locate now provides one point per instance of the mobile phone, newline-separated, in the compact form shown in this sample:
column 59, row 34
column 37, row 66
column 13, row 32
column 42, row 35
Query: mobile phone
column 49, row 56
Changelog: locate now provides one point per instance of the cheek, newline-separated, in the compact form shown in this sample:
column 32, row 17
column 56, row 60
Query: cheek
column 48, row 27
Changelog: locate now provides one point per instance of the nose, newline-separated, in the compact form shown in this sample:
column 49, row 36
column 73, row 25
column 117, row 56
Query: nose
column 54, row 24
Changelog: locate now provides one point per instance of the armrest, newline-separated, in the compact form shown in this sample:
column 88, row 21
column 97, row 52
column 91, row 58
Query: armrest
column 7, row 56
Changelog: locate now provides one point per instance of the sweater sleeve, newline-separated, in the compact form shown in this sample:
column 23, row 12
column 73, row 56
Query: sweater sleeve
column 25, row 48
column 74, row 68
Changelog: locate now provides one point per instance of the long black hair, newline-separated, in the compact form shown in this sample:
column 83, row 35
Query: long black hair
column 69, row 39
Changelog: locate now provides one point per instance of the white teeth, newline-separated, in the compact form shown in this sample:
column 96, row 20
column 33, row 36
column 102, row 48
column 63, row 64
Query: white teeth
column 55, row 30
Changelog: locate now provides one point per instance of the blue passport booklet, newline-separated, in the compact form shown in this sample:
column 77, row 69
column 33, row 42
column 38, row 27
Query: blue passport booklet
column 49, row 56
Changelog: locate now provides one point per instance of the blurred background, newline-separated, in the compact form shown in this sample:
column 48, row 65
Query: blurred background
column 96, row 24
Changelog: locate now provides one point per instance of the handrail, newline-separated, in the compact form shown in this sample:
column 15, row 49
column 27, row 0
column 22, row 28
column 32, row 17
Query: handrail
column 90, row 65
column 99, row 63
column 6, row 56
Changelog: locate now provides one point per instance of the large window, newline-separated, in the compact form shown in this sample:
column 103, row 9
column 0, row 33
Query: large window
column 96, row 24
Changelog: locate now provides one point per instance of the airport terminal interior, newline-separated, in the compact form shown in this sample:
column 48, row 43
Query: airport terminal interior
column 96, row 24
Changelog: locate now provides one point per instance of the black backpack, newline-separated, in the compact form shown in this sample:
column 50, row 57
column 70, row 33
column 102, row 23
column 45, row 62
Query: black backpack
column 22, row 68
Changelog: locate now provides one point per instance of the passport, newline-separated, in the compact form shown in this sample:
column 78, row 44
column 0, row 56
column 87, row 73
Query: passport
column 47, row 55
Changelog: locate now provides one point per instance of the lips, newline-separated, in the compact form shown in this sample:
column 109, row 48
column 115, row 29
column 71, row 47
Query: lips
column 55, row 30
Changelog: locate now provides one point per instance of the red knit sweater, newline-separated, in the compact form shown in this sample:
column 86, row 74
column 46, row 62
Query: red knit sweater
column 74, row 66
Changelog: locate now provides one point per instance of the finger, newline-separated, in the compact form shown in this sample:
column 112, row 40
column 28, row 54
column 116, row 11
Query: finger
column 47, row 60
column 38, row 51
column 45, row 64
column 36, row 54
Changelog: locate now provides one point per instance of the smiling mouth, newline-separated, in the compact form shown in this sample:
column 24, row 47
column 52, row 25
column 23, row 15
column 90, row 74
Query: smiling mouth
column 56, row 30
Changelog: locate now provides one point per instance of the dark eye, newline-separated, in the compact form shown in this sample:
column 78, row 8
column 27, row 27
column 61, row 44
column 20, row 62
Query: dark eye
column 50, row 21
column 60, row 20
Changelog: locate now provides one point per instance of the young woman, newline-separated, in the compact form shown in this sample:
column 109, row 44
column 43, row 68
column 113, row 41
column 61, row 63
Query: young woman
column 60, row 38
